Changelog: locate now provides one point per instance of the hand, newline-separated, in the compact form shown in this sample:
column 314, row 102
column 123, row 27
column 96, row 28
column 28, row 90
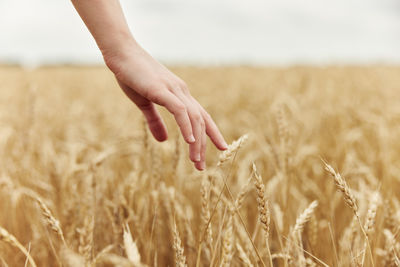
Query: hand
column 146, row 82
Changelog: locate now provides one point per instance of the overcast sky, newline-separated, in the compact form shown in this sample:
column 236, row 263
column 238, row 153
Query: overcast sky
column 212, row 31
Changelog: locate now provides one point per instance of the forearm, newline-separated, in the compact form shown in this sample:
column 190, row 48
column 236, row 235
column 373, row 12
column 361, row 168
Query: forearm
column 106, row 22
column 147, row 82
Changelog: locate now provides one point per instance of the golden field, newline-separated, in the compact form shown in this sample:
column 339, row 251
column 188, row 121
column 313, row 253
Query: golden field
column 82, row 182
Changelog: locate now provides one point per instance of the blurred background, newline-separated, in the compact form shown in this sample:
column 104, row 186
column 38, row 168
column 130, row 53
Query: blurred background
column 212, row 32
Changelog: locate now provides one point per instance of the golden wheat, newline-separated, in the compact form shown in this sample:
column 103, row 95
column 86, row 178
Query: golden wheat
column 72, row 142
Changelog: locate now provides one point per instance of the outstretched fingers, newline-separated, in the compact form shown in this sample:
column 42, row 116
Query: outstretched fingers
column 178, row 109
column 195, row 148
column 201, row 165
column 202, row 125
column 194, row 122
column 197, row 123
column 213, row 131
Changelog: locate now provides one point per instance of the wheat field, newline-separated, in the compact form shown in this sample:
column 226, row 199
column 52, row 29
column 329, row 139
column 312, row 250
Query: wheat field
column 311, row 178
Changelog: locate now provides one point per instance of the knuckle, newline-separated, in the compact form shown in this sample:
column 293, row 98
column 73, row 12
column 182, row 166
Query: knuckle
column 180, row 108
column 184, row 86
column 172, row 87
column 153, row 94
column 186, row 91
column 178, row 87
column 207, row 116
column 197, row 117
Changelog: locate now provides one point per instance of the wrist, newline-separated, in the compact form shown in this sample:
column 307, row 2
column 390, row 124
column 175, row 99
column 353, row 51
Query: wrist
column 118, row 49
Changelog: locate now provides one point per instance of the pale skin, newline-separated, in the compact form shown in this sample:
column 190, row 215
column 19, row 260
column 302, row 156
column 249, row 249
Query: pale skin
column 147, row 82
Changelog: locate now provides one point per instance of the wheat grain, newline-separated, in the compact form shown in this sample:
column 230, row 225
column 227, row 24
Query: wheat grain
column 86, row 238
column 344, row 188
column 180, row 259
column 263, row 209
column 227, row 243
column 371, row 213
column 131, row 249
column 50, row 220
column 231, row 150
column 304, row 217
column 205, row 211
column 148, row 185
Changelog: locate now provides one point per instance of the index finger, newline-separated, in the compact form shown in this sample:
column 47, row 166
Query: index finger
column 178, row 109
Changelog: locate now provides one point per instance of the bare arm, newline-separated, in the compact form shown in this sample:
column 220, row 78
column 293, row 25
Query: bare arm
column 147, row 82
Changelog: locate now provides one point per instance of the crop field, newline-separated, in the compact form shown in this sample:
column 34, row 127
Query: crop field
column 311, row 178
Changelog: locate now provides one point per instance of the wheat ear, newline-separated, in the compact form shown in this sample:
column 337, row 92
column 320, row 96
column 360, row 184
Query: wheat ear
column 371, row 214
column 232, row 148
column 180, row 259
column 227, row 243
column 85, row 246
column 263, row 209
column 131, row 249
column 50, row 220
column 342, row 186
column 205, row 211
column 304, row 218
column 350, row 201
column 370, row 220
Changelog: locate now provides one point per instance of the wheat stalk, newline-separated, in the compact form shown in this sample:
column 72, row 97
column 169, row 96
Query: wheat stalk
column 242, row 194
column 6, row 237
column 243, row 256
column 281, row 256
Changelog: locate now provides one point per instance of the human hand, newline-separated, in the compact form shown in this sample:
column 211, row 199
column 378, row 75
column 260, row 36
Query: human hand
column 147, row 82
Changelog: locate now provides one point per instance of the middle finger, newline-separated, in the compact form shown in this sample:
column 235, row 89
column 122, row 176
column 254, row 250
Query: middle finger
column 198, row 126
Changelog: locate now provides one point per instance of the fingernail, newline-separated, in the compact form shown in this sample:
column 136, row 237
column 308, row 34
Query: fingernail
column 191, row 139
column 225, row 145
column 197, row 158
column 202, row 165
